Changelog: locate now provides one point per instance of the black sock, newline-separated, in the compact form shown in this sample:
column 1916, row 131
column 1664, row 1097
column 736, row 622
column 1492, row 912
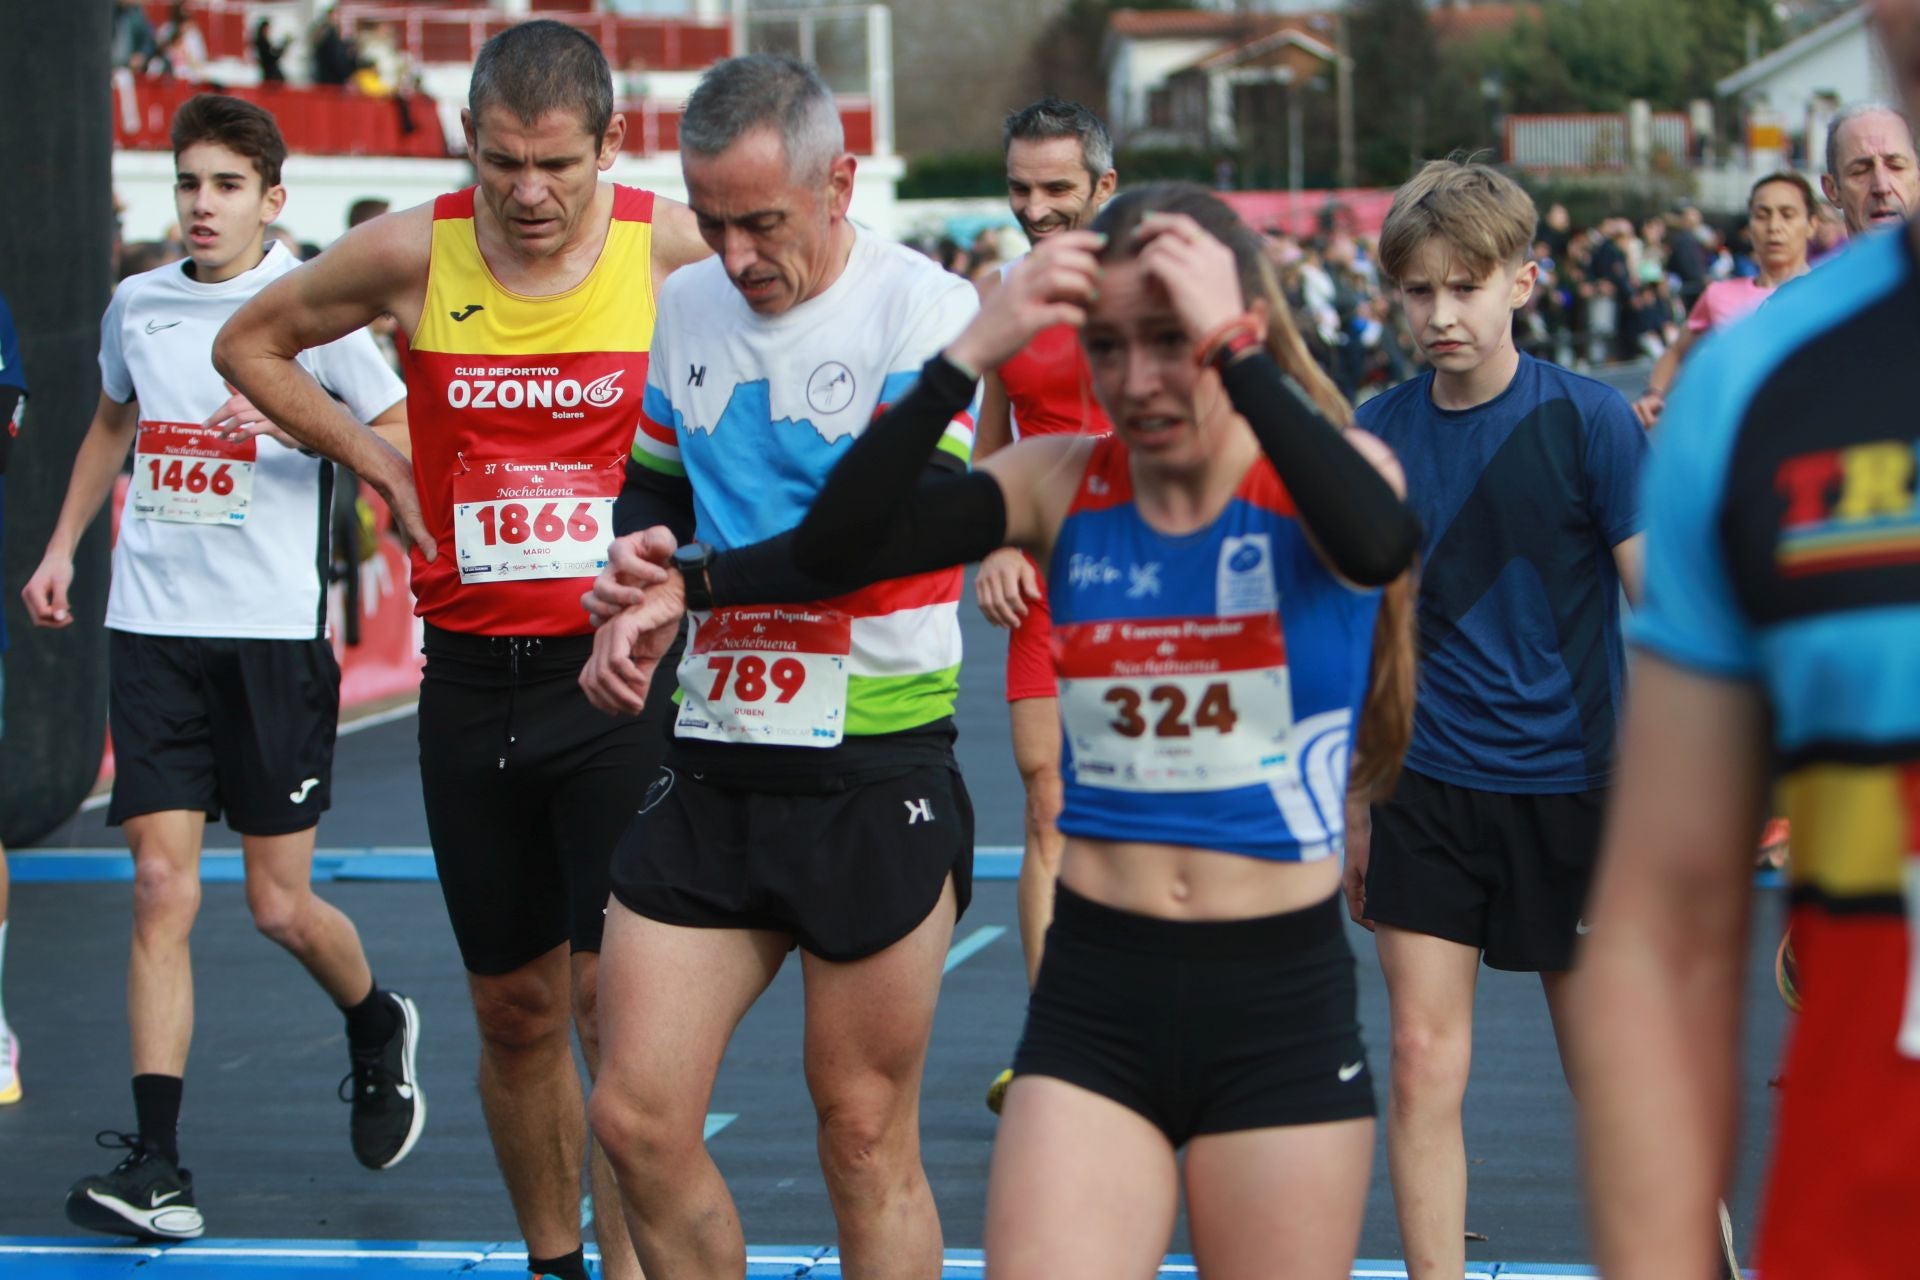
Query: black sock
column 156, row 1104
column 568, row 1266
column 372, row 1022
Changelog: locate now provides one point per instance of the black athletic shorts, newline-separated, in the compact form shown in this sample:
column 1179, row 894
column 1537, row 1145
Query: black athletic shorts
column 1201, row 1026
column 1507, row 873
column 527, row 789
column 243, row 727
column 846, row 873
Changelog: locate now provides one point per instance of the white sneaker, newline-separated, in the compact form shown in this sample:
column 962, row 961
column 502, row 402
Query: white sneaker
column 9, row 1067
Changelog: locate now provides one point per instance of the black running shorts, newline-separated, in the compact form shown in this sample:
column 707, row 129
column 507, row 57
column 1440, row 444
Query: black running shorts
column 1507, row 873
column 527, row 789
column 1201, row 1026
column 244, row 727
column 845, row 873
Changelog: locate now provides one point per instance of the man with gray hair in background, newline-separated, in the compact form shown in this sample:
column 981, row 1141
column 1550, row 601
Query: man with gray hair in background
column 1871, row 175
column 810, row 796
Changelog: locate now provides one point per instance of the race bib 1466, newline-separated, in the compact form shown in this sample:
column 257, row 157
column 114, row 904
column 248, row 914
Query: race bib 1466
column 188, row 473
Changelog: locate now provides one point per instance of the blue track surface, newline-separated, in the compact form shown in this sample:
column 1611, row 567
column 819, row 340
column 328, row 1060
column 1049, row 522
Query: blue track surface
column 51, row 1259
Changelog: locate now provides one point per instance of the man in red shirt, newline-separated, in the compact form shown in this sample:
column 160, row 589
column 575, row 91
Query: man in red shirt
column 1059, row 173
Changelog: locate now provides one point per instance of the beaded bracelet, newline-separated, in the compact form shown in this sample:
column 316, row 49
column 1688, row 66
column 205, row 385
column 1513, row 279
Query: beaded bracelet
column 1226, row 343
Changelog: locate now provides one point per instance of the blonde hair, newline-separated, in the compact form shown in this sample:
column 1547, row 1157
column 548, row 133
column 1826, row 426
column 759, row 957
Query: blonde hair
column 1386, row 717
column 1481, row 215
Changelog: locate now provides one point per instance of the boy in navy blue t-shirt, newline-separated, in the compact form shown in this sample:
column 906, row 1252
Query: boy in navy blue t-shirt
column 1525, row 478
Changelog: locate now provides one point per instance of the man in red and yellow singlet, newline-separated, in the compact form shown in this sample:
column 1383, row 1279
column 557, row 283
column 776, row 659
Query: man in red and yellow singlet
column 1059, row 174
column 528, row 305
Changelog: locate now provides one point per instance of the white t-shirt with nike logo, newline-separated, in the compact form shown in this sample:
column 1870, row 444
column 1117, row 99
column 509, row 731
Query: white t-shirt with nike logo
column 262, row 575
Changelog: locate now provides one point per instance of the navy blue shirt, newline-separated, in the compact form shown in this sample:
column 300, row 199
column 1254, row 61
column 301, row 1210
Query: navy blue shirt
column 1523, row 499
column 12, row 374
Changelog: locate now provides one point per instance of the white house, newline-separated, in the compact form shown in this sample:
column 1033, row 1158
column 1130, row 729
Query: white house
column 1792, row 93
column 1148, row 51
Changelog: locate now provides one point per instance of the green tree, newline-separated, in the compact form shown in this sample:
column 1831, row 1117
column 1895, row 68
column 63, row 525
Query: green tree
column 1395, row 62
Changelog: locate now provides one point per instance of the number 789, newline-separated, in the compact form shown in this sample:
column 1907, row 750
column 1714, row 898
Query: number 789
column 750, row 676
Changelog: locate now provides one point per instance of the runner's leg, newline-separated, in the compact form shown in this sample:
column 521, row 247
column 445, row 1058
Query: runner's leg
column 166, row 898
column 1279, row 1204
column 868, row 1023
column 1067, row 1157
column 530, row 1092
column 671, row 999
column 285, row 909
column 1557, row 985
column 1430, row 984
column 1036, row 752
column 617, row 1259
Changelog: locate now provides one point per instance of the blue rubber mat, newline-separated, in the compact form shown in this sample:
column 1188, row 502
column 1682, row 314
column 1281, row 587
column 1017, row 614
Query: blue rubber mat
column 56, row 1259
column 407, row 863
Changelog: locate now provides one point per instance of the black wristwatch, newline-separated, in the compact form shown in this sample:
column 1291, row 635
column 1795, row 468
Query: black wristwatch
column 693, row 562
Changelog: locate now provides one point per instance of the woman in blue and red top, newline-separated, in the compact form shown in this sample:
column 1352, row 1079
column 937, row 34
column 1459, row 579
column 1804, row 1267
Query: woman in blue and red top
column 1217, row 639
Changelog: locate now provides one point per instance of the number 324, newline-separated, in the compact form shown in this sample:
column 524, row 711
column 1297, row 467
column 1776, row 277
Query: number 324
column 1214, row 712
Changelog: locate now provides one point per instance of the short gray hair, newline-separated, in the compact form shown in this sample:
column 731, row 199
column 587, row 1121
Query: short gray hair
column 765, row 91
column 1855, row 112
column 1061, row 118
column 541, row 66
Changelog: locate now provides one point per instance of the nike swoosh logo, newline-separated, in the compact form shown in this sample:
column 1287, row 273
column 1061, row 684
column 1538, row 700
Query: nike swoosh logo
column 1351, row 1070
column 159, row 1199
column 300, row 796
column 1582, row 928
column 471, row 308
column 154, row 326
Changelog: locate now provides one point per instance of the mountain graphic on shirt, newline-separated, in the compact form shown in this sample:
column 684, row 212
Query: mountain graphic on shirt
column 750, row 407
column 756, row 475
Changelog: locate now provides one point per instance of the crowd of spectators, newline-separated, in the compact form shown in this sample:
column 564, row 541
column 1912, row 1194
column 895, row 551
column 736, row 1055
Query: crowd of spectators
column 1613, row 292
column 369, row 61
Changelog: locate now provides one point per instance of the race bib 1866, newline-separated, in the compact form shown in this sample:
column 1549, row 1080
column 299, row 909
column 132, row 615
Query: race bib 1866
column 1176, row 704
column 518, row 518
column 188, row 473
column 775, row 675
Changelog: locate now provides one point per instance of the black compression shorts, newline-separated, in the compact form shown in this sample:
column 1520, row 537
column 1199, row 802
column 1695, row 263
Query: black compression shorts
column 527, row 790
column 1201, row 1027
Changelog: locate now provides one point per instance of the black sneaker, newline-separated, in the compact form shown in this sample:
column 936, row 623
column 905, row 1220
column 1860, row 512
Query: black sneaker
column 389, row 1111
column 145, row 1196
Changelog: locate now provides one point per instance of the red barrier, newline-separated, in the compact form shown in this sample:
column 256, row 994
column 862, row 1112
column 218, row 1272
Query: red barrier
column 321, row 120
column 387, row 660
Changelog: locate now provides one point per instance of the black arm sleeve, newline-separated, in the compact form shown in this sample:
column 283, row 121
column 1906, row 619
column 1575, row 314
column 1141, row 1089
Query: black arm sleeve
column 649, row 498
column 1367, row 534
column 951, row 519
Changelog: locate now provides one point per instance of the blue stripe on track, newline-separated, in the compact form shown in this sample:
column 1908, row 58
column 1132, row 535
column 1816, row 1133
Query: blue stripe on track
column 400, row 863
column 96, row 1258
column 970, row 945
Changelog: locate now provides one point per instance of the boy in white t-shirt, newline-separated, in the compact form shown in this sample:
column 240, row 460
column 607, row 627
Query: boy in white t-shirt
column 224, row 692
